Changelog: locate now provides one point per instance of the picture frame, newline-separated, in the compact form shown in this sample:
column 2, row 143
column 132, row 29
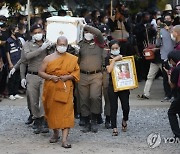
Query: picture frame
column 124, row 76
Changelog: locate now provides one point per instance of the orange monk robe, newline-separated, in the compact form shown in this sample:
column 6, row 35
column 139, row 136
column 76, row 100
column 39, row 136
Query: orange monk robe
column 58, row 97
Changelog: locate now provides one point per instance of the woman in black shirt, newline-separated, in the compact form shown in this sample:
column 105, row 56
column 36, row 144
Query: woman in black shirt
column 113, row 96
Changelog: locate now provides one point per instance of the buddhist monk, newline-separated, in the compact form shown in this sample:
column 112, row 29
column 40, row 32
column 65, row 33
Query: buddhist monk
column 59, row 70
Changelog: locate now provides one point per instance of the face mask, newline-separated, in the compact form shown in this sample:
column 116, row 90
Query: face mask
column 61, row 49
column 168, row 23
column 170, row 64
column 115, row 52
column 37, row 37
column 88, row 36
column 25, row 22
column 17, row 34
column 146, row 21
column 172, row 37
column 105, row 38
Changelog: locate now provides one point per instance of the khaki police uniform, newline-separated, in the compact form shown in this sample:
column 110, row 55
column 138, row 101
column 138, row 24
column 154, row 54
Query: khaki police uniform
column 34, row 56
column 105, row 87
column 90, row 85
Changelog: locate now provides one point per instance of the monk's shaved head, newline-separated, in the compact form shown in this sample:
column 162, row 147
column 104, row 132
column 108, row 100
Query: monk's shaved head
column 177, row 29
column 62, row 40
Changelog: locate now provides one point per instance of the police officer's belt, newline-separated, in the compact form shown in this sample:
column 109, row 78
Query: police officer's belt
column 34, row 73
column 88, row 72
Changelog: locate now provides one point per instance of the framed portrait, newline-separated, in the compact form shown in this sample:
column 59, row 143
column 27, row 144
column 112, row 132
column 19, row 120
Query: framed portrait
column 124, row 75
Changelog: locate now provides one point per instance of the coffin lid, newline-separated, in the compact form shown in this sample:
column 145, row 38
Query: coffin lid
column 64, row 19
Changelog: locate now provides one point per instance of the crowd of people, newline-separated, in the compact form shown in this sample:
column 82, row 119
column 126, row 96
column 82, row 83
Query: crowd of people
column 63, row 82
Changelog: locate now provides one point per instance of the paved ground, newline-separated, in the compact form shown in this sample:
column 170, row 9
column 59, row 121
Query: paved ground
column 146, row 117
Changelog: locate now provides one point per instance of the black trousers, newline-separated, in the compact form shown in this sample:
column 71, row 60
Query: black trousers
column 3, row 80
column 13, row 84
column 113, row 98
column 172, row 115
column 167, row 88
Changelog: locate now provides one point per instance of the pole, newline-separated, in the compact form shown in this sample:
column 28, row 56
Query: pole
column 111, row 7
column 29, row 17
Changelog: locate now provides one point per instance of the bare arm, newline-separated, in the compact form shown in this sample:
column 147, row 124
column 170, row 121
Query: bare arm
column 111, row 66
column 42, row 70
column 9, row 60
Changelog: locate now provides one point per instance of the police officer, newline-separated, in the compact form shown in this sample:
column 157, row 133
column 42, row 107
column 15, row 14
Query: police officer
column 13, row 52
column 90, row 85
column 105, row 32
column 35, row 51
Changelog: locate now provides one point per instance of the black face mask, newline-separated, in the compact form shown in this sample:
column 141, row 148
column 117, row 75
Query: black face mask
column 146, row 21
column 17, row 34
column 168, row 23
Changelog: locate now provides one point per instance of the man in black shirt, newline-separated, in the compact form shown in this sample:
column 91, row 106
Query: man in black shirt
column 174, row 81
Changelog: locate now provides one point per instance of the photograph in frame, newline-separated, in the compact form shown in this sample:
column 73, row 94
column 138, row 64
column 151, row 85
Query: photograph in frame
column 124, row 75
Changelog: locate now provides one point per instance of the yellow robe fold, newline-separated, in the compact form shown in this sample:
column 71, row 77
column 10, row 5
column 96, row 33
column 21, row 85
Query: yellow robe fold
column 58, row 97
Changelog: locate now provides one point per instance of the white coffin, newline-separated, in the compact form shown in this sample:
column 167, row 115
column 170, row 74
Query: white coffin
column 64, row 26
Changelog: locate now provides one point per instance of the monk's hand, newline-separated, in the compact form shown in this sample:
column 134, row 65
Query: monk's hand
column 54, row 78
column 64, row 78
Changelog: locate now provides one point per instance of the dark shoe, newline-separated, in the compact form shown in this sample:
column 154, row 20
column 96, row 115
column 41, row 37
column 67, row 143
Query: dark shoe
column 40, row 128
column 171, row 100
column 37, row 123
column 87, row 128
column 44, row 123
column 30, row 120
column 77, row 116
column 166, row 99
column 44, row 126
column 94, row 127
column 108, row 125
column 99, row 119
column 81, row 122
column 66, row 145
column 142, row 97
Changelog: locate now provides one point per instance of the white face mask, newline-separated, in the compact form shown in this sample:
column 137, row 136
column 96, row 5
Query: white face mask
column 88, row 36
column 105, row 38
column 37, row 37
column 172, row 37
column 170, row 64
column 115, row 52
column 61, row 49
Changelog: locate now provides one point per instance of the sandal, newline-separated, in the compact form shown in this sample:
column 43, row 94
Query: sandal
column 124, row 127
column 54, row 139
column 142, row 97
column 66, row 145
column 115, row 133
